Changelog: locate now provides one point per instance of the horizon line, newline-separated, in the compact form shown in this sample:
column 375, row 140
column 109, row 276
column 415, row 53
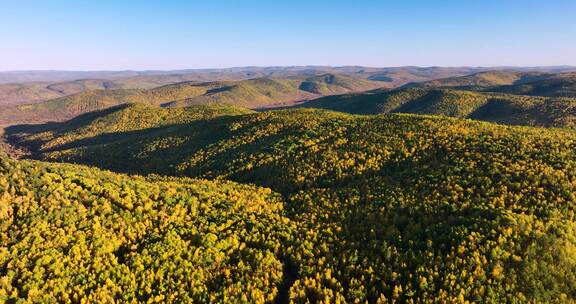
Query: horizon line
column 289, row 66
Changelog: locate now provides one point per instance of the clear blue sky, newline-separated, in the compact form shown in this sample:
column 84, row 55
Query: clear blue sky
column 126, row 34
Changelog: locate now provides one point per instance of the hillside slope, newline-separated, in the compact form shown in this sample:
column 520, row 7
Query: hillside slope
column 24, row 87
column 74, row 234
column 511, row 82
column 268, row 92
column 63, row 108
column 39, row 86
column 252, row 93
column 388, row 207
column 558, row 85
column 14, row 93
column 27, row 93
column 494, row 107
column 405, row 75
column 484, row 80
column 237, row 73
column 120, row 121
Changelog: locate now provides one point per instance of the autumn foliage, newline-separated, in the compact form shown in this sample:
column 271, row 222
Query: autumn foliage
column 378, row 208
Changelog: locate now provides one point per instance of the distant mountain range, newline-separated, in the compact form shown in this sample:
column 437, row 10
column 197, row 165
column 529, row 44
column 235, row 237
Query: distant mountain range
column 252, row 87
column 24, row 87
column 253, row 72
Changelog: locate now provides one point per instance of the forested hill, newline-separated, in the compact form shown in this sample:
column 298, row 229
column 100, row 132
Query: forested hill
column 558, row 85
column 70, row 234
column 267, row 92
column 486, row 79
column 251, row 93
column 494, row 107
column 512, row 82
column 120, row 122
column 382, row 208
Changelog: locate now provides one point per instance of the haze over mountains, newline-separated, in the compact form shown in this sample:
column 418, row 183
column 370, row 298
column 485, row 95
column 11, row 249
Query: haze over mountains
column 31, row 86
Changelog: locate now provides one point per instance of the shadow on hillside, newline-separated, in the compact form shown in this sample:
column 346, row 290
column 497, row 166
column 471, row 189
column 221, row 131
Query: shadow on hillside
column 152, row 150
column 420, row 105
column 494, row 110
column 105, row 138
column 78, row 121
column 15, row 134
column 218, row 90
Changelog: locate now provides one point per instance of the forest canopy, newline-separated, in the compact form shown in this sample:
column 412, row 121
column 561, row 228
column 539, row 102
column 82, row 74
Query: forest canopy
column 378, row 208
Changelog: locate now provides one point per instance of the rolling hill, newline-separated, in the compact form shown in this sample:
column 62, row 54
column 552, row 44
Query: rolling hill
column 120, row 119
column 484, row 80
column 408, row 75
column 511, row 82
column 268, row 92
column 494, row 107
column 27, row 93
column 401, row 76
column 13, row 94
column 25, row 87
column 558, row 85
column 76, row 234
column 64, row 107
column 374, row 208
column 252, row 93
column 237, row 73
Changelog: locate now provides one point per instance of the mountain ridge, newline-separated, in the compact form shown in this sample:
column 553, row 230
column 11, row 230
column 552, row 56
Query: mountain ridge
column 488, row 106
column 252, row 93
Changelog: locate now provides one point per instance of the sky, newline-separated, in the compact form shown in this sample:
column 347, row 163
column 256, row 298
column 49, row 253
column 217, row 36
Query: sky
column 170, row 34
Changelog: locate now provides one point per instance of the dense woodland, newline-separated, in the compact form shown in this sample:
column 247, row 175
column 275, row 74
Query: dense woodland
column 72, row 234
column 215, row 203
column 495, row 107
